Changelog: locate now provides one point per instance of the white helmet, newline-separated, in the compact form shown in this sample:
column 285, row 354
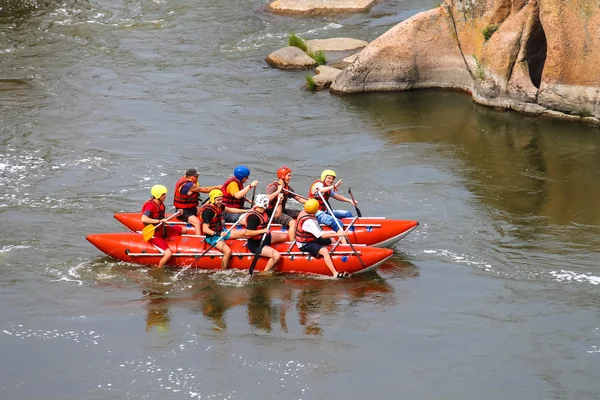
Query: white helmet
column 262, row 200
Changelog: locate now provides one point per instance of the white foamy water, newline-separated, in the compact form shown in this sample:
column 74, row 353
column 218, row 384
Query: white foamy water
column 6, row 249
column 80, row 336
column 571, row 276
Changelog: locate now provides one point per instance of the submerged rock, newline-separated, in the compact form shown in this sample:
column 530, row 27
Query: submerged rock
column 318, row 7
column 325, row 75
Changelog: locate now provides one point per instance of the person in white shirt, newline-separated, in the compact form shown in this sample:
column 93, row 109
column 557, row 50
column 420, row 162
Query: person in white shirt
column 311, row 238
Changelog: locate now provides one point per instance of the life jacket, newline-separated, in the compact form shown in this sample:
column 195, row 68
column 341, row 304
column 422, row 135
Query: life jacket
column 216, row 223
column 158, row 210
column 264, row 221
column 318, row 198
column 228, row 199
column 286, row 196
column 303, row 236
column 184, row 200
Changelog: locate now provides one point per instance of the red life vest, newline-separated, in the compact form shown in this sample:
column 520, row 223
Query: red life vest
column 286, row 195
column 216, row 223
column 264, row 221
column 228, row 199
column 318, row 198
column 157, row 210
column 184, row 200
column 303, row 236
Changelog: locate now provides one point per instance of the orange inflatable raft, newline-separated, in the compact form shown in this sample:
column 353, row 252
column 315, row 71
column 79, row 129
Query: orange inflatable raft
column 371, row 231
column 130, row 247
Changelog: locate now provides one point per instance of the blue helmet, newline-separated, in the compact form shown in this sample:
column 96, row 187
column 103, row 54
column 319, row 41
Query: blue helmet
column 241, row 172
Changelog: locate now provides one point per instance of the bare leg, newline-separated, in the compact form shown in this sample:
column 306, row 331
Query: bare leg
column 292, row 230
column 328, row 261
column 236, row 234
column 226, row 250
column 273, row 255
column 165, row 258
column 192, row 219
column 279, row 237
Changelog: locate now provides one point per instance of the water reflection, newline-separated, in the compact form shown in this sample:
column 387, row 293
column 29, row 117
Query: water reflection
column 524, row 165
column 272, row 303
column 531, row 171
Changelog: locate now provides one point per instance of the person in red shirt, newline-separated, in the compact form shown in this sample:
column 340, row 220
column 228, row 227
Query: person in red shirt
column 153, row 213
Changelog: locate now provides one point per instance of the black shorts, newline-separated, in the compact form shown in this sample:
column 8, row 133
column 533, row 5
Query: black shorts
column 187, row 212
column 313, row 248
column 253, row 244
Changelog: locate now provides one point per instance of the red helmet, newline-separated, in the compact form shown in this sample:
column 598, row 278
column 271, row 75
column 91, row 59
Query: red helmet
column 283, row 171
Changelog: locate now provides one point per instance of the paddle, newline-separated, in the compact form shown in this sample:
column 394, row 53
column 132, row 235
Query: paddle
column 260, row 246
column 294, row 193
column 148, row 230
column 354, row 201
column 346, row 231
column 340, row 227
column 253, row 193
column 211, row 247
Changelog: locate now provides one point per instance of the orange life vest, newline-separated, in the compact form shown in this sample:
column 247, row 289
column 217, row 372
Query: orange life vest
column 157, row 212
column 184, row 200
column 286, row 195
column 318, row 198
column 303, row 236
column 228, row 199
column 264, row 221
column 216, row 223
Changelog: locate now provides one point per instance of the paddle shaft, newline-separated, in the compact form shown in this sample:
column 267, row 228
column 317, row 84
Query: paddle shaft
column 294, row 193
column 340, row 227
column 354, row 201
column 151, row 230
column 340, row 239
column 212, row 246
column 260, row 246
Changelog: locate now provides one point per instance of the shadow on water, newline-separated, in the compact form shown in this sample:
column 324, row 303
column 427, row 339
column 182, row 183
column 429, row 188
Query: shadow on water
column 271, row 302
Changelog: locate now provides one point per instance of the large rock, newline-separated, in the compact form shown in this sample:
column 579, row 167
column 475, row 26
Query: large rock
column 290, row 58
column 543, row 55
column 335, row 44
column 318, row 7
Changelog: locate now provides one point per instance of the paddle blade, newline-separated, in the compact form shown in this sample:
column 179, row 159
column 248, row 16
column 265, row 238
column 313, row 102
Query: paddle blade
column 358, row 211
column 148, row 232
column 253, row 265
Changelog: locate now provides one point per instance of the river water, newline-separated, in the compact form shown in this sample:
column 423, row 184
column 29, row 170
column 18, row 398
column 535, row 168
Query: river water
column 495, row 296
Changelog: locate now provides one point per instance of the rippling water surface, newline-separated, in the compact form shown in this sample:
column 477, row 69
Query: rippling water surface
column 495, row 295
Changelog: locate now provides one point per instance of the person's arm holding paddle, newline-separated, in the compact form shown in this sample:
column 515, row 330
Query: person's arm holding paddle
column 272, row 192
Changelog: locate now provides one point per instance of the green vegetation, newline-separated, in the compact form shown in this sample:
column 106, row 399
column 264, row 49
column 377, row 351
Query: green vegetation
column 310, row 83
column 584, row 113
column 489, row 30
column 318, row 56
column 298, row 42
column 479, row 68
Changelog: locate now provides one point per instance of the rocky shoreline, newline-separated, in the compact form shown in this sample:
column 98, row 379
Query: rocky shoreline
column 532, row 56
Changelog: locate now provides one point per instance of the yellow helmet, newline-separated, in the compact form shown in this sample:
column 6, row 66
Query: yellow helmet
column 157, row 191
column 311, row 206
column 326, row 173
column 213, row 194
